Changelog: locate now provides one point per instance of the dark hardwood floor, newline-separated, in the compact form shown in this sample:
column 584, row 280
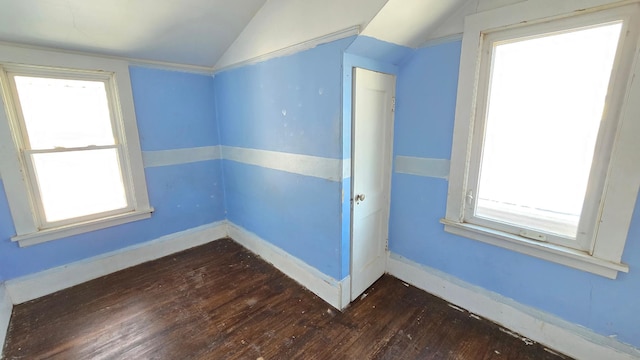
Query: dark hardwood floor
column 219, row 301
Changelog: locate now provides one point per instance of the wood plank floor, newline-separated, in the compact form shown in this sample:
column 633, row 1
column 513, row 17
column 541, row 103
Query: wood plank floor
column 219, row 301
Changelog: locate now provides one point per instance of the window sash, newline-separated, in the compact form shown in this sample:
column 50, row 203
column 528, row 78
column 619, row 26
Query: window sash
column 40, row 72
column 38, row 205
column 591, row 210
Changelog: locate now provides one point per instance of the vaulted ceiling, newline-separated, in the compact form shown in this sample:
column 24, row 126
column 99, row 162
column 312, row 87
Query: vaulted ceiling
column 195, row 32
column 218, row 33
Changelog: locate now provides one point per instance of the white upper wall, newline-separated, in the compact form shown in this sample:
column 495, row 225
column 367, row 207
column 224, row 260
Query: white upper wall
column 454, row 24
column 409, row 22
column 413, row 22
column 284, row 23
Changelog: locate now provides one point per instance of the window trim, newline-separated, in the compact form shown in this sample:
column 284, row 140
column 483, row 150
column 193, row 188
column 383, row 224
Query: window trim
column 623, row 180
column 585, row 238
column 11, row 166
column 7, row 75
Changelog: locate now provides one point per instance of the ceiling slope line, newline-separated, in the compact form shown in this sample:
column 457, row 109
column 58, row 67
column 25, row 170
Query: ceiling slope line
column 203, row 70
column 295, row 48
column 441, row 40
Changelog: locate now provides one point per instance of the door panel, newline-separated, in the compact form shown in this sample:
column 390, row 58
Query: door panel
column 373, row 96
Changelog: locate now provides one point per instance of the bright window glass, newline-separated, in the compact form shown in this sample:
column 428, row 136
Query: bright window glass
column 61, row 113
column 78, row 183
column 544, row 111
column 70, row 146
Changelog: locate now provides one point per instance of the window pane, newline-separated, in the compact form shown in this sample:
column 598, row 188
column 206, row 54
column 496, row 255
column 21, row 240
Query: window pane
column 64, row 113
column 546, row 103
column 79, row 183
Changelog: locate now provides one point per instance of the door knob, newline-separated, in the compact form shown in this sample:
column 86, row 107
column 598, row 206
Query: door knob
column 359, row 197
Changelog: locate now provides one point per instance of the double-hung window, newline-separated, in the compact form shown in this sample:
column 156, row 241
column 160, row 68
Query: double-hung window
column 74, row 164
column 546, row 128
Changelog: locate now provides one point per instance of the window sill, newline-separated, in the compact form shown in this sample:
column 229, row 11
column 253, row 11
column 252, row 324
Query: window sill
column 558, row 254
column 80, row 228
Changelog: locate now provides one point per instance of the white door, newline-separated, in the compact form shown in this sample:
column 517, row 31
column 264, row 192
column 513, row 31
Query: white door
column 373, row 106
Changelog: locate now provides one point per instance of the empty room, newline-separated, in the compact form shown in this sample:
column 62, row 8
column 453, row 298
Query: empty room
column 319, row 179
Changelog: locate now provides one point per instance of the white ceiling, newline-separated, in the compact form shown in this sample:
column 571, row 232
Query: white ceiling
column 220, row 33
column 194, row 32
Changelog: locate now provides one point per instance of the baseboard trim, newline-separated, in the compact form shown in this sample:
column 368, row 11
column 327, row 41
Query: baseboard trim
column 46, row 282
column 334, row 292
column 553, row 332
column 5, row 315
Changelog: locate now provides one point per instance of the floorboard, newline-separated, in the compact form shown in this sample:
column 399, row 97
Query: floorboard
column 219, row 301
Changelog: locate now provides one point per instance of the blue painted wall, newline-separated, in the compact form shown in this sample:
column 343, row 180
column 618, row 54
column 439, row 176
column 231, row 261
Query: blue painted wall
column 426, row 93
column 295, row 104
column 290, row 104
column 299, row 214
column 174, row 110
column 379, row 51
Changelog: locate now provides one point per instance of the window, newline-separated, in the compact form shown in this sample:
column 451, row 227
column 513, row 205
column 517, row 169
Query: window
column 76, row 149
column 541, row 152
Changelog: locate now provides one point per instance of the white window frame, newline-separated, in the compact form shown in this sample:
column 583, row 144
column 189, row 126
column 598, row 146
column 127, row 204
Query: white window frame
column 23, row 202
column 610, row 222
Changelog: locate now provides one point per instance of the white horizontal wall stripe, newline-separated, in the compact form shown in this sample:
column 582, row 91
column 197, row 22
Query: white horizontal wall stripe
column 325, row 168
column 180, row 156
column 437, row 168
column 315, row 166
column 346, row 168
column 320, row 167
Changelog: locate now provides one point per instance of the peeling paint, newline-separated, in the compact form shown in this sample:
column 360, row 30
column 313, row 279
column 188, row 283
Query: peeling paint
column 518, row 336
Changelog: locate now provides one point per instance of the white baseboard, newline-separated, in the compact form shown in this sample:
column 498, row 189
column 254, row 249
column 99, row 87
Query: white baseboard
column 551, row 331
column 5, row 315
column 334, row 292
column 33, row 286
column 46, row 282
